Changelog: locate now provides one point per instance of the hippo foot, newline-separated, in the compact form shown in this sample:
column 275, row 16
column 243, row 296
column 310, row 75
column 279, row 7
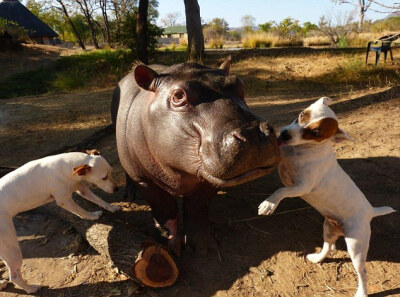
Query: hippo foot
column 175, row 245
column 202, row 241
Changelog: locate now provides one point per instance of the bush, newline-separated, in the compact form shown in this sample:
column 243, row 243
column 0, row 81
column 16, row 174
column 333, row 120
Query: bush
column 217, row 43
column 257, row 40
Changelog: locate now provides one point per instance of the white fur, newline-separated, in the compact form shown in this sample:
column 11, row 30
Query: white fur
column 39, row 182
column 309, row 169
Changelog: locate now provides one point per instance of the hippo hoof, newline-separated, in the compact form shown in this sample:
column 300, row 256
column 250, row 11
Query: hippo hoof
column 202, row 242
column 175, row 245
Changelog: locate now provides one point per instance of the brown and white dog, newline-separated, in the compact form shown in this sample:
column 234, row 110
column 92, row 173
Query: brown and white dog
column 44, row 180
column 309, row 169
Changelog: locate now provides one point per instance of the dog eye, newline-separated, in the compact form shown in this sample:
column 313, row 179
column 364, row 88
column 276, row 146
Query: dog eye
column 104, row 178
column 315, row 133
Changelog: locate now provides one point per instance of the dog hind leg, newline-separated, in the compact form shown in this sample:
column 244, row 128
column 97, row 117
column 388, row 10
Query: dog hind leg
column 357, row 241
column 11, row 254
column 332, row 231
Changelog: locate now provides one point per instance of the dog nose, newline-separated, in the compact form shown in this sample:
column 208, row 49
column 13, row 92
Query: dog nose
column 116, row 189
column 285, row 135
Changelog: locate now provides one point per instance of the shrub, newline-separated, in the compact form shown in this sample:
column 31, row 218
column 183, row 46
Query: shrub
column 216, row 43
column 257, row 40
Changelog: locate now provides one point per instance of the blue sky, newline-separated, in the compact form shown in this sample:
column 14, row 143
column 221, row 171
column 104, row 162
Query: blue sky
column 263, row 10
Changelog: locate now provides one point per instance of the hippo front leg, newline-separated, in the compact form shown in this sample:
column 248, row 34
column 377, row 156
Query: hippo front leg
column 164, row 208
column 196, row 218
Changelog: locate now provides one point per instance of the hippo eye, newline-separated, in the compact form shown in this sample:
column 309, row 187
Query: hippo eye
column 105, row 178
column 178, row 98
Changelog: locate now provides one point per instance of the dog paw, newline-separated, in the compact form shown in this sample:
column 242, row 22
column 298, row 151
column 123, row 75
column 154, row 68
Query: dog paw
column 3, row 284
column 114, row 208
column 314, row 258
column 95, row 215
column 266, row 208
column 32, row 289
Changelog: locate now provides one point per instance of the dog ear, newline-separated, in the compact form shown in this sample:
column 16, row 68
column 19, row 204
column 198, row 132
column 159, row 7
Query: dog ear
column 342, row 136
column 93, row 152
column 325, row 100
column 82, row 169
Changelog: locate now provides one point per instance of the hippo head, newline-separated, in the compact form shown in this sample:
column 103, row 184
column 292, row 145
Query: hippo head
column 199, row 126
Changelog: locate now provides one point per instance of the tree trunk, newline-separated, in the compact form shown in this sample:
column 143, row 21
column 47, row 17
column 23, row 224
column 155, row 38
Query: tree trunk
column 86, row 12
column 361, row 16
column 133, row 253
column 141, row 31
column 77, row 36
column 103, row 7
column 195, row 31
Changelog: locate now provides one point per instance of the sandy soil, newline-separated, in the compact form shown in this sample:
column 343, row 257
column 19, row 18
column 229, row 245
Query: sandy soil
column 256, row 256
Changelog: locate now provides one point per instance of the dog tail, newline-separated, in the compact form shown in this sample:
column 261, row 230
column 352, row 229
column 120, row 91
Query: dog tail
column 381, row 211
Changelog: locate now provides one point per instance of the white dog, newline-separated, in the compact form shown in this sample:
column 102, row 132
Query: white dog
column 309, row 169
column 44, row 180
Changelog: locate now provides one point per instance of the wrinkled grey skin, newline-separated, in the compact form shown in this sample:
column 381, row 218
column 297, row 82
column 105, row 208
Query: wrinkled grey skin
column 187, row 131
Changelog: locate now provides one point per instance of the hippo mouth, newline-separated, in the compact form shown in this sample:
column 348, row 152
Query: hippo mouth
column 237, row 180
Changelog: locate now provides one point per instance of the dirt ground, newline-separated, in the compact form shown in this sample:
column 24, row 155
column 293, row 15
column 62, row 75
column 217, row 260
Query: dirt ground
column 256, row 256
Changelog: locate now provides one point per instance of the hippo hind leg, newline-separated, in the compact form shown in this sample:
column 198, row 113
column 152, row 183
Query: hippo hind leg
column 196, row 219
column 130, row 189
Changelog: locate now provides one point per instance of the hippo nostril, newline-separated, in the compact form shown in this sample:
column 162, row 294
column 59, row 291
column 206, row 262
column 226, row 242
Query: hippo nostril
column 116, row 189
column 239, row 136
column 285, row 135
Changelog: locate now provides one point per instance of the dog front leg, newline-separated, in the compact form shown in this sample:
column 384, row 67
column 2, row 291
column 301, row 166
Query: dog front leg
column 86, row 193
column 269, row 205
column 68, row 204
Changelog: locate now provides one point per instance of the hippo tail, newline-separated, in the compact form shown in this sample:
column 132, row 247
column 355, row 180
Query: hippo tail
column 381, row 211
column 115, row 105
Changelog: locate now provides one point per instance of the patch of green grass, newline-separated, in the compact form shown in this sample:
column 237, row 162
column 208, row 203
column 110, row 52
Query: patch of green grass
column 27, row 83
column 92, row 70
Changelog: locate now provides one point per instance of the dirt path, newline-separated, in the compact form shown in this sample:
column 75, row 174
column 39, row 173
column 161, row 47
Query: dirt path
column 257, row 256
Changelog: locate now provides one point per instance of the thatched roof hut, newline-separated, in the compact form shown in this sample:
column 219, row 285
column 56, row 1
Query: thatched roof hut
column 38, row 31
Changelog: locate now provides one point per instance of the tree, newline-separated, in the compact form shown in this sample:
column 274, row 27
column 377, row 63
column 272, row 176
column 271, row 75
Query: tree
column 141, row 31
column 195, row 31
column 217, row 28
column 288, row 27
column 86, row 7
column 103, row 5
column 337, row 32
column 266, row 27
column 63, row 8
column 307, row 27
column 248, row 22
column 171, row 19
column 362, row 7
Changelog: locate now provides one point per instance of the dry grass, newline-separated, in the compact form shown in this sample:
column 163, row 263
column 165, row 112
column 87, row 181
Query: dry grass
column 317, row 41
column 297, row 74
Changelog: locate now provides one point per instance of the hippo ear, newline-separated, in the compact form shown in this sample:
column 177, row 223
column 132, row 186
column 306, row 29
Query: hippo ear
column 144, row 77
column 226, row 66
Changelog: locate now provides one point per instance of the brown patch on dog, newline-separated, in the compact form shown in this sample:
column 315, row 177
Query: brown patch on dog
column 82, row 169
column 286, row 174
column 93, row 152
column 334, row 225
column 321, row 130
column 304, row 117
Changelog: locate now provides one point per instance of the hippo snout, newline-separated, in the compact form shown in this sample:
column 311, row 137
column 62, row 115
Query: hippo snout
column 244, row 152
column 259, row 134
